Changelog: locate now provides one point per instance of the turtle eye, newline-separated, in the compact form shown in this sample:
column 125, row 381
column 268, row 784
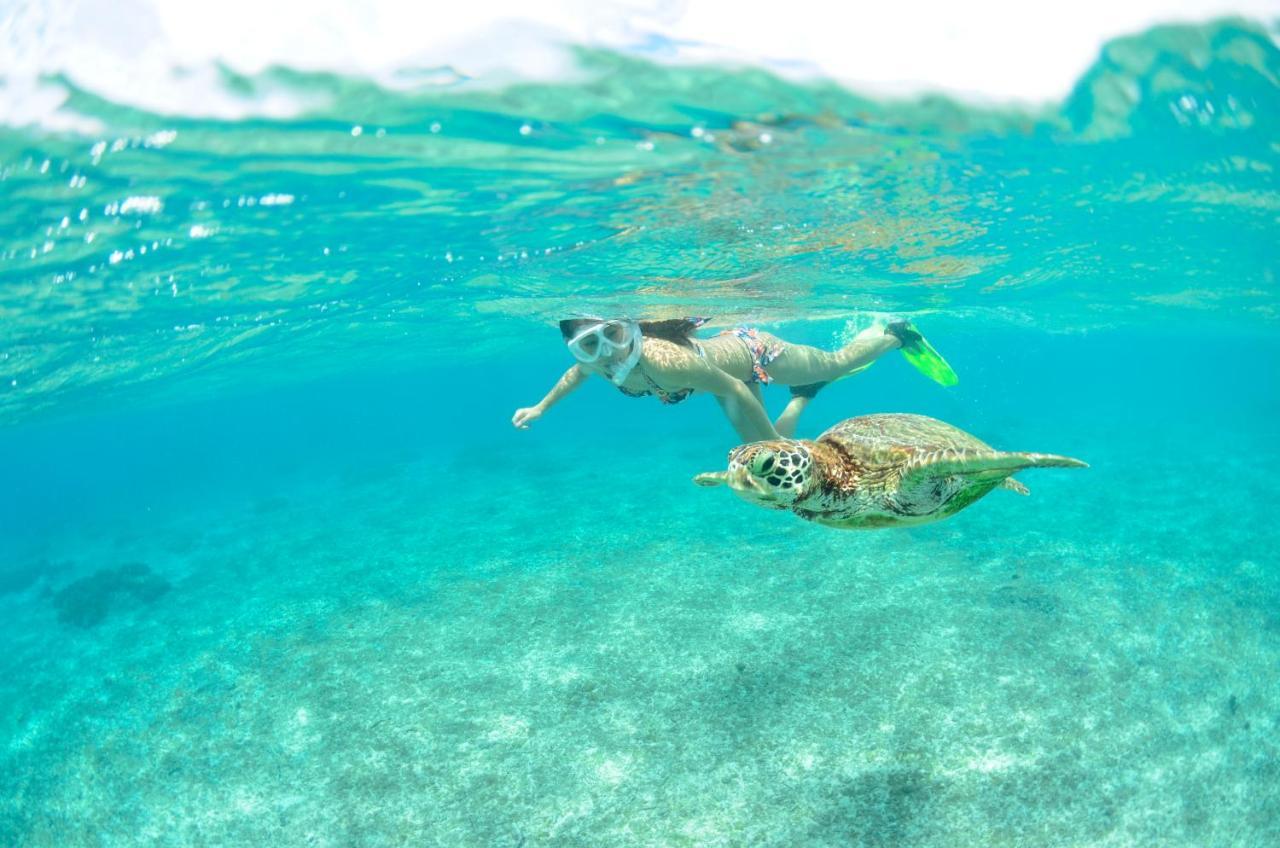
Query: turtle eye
column 762, row 463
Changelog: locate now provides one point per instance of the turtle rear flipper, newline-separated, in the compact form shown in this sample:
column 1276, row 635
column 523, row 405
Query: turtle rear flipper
column 1014, row 486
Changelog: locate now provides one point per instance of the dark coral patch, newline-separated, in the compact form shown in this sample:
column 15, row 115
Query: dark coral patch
column 88, row 601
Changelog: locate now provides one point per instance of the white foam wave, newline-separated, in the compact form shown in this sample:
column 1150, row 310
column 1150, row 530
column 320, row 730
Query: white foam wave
column 166, row 56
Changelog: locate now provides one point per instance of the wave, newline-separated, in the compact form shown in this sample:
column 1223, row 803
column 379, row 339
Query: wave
column 180, row 60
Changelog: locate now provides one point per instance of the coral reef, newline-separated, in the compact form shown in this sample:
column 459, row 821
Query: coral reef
column 88, row 601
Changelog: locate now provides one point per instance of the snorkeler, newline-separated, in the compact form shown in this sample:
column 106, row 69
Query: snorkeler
column 664, row 359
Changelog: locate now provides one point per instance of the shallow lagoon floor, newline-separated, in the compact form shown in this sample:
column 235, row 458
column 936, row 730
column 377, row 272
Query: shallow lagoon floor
column 567, row 643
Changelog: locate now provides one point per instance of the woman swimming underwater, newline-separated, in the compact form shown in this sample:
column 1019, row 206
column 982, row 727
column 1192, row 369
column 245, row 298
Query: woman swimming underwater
column 664, row 359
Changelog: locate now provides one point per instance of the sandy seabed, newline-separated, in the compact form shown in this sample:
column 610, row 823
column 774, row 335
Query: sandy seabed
column 522, row 651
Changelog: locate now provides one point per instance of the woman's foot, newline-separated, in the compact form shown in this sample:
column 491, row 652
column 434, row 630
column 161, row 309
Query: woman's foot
column 809, row 390
column 904, row 332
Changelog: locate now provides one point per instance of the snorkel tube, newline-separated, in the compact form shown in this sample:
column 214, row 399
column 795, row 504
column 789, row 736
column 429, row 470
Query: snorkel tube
column 623, row 369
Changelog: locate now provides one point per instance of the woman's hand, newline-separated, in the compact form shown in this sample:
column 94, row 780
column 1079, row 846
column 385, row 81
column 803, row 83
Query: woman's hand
column 525, row 416
column 569, row 381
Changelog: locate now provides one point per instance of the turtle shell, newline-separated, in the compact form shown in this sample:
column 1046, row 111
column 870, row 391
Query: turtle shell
column 900, row 432
column 898, row 469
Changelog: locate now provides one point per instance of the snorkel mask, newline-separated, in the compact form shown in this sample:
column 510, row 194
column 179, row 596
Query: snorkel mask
column 602, row 341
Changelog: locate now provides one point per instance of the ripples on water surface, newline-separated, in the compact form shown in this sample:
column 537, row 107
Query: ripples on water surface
column 276, row 568
column 166, row 246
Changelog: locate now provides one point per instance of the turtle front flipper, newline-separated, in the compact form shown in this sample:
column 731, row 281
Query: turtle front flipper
column 712, row 478
column 943, row 482
column 983, row 465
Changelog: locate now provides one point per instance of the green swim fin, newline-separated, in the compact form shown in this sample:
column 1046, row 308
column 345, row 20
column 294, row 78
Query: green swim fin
column 917, row 350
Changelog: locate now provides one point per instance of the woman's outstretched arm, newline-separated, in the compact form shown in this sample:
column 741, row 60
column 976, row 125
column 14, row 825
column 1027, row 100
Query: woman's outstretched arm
column 741, row 406
column 569, row 381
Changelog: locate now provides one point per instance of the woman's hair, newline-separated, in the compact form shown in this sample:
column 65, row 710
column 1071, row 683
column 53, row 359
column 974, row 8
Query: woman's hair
column 677, row 330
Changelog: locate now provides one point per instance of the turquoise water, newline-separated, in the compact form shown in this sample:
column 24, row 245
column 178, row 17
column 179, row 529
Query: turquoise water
column 276, row 569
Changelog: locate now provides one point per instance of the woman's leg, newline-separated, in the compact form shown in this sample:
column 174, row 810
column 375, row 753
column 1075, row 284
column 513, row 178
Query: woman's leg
column 800, row 398
column 790, row 417
column 800, row 365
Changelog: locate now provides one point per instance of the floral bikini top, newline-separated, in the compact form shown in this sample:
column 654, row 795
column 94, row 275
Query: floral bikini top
column 657, row 391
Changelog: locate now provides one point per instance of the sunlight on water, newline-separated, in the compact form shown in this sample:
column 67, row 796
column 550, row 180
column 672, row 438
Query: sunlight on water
column 175, row 243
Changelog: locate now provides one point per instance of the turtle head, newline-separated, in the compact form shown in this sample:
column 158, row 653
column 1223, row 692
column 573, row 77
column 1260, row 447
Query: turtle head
column 770, row 474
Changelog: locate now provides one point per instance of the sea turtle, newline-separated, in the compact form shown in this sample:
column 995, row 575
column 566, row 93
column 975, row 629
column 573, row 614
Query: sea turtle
column 885, row 470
